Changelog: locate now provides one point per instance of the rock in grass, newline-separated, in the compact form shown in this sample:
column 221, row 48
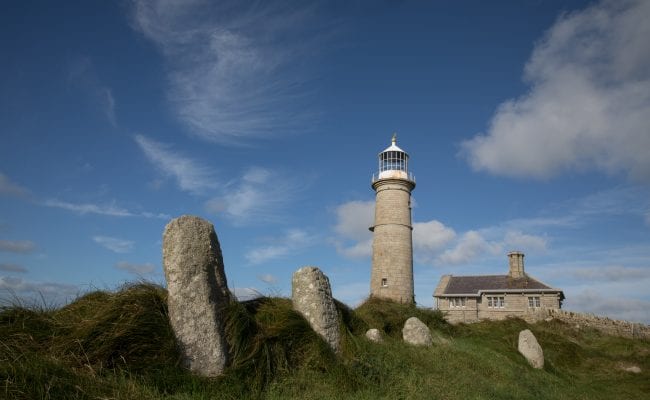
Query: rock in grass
column 374, row 335
column 311, row 296
column 416, row 332
column 530, row 349
column 197, row 293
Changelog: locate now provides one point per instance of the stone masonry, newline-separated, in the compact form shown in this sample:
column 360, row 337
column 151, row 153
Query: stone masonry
column 197, row 292
column 392, row 246
column 626, row 329
column 311, row 296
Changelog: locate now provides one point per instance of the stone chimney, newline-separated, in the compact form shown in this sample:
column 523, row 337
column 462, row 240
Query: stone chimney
column 516, row 261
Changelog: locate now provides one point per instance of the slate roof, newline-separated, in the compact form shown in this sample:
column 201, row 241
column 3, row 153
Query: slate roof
column 474, row 284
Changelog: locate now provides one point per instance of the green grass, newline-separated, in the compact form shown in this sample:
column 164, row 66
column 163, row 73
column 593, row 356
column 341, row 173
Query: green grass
column 119, row 345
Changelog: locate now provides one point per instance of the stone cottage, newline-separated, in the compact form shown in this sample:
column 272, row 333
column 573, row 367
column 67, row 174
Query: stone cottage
column 474, row 298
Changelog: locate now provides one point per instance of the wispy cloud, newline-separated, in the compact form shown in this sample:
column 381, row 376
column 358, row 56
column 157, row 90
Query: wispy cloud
column 609, row 273
column 232, row 69
column 114, row 244
column 19, row 246
column 136, row 269
column 248, row 293
column 268, row 278
column 259, row 195
column 100, row 209
column 588, row 105
column 352, row 293
column 12, row 268
column 9, row 188
column 600, row 303
column 189, row 174
column 82, row 74
column 292, row 241
column 34, row 291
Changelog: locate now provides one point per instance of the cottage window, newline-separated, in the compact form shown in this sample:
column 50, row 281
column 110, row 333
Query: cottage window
column 534, row 302
column 496, row 301
column 456, row 302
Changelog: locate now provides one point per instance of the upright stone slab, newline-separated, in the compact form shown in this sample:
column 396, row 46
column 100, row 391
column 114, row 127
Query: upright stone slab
column 416, row 332
column 530, row 349
column 311, row 295
column 197, row 292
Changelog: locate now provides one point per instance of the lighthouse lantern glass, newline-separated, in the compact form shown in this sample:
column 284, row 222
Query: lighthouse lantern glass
column 393, row 161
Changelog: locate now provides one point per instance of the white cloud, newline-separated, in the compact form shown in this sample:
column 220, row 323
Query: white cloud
column 9, row 188
column 49, row 292
column 189, row 175
column 517, row 240
column 258, row 196
column 621, row 308
column 354, row 218
column 610, row 273
column 245, row 294
column 268, row 278
column 100, row 209
column 589, row 101
column 136, row 269
column 19, row 246
column 114, row 244
column 470, row 246
column 12, row 268
column 431, row 236
column 292, row 241
column 232, row 71
column 352, row 222
column 352, row 293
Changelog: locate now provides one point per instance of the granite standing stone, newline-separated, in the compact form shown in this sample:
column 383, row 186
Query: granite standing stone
column 374, row 335
column 197, row 292
column 530, row 349
column 416, row 332
column 311, row 295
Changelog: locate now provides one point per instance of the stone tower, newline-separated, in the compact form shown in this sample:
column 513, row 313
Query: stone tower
column 392, row 245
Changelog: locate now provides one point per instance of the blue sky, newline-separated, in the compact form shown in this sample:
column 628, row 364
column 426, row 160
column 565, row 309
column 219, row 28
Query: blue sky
column 526, row 122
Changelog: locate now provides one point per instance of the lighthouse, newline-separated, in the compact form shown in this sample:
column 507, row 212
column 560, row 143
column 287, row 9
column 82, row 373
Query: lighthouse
column 392, row 244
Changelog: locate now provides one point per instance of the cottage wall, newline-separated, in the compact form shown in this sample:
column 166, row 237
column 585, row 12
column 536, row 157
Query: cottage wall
column 516, row 305
column 455, row 315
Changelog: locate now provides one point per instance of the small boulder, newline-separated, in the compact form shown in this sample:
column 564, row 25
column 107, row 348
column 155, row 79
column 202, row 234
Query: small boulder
column 197, row 292
column 311, row 296
column 530, row 349
column 632, row 368
column 374, row 335
column 416, row 332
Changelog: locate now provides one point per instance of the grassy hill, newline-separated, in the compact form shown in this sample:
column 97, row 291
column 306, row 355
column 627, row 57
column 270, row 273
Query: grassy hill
column 120, row 346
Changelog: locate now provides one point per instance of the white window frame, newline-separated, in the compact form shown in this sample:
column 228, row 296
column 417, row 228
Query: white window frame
column 534, row 302
column 496, row 301
column 457, row 302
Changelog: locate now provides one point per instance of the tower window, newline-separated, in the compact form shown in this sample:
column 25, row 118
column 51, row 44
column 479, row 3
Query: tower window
column 384, row 282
